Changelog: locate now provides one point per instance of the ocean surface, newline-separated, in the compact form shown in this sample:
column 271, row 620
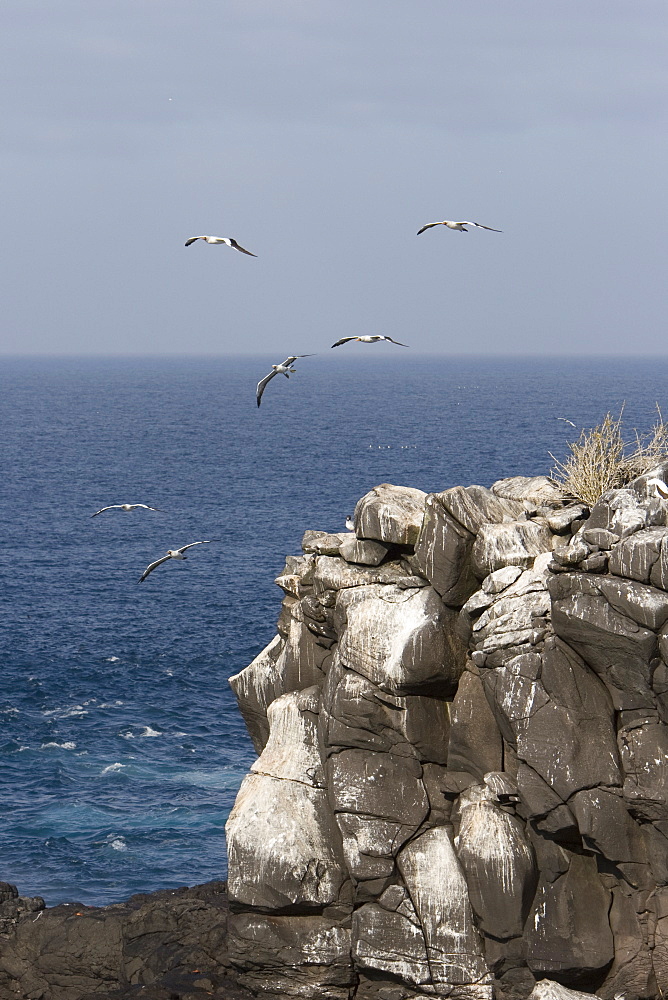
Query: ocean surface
column 121, row 747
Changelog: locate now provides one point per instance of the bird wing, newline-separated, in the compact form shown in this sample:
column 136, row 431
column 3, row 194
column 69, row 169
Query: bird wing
column 295, row 357
column 146, row 506
column 111, row 507
column 344, row 340
column 395, row 342
column 480, row 226
column 428, row 226
column 262, row 384
column 152, row 566
column 190, row 545
column 193, row 239
column 236, row 246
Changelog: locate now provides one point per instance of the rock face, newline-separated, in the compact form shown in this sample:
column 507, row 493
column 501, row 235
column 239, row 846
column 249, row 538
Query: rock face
column 462, row 780
column 158, row 946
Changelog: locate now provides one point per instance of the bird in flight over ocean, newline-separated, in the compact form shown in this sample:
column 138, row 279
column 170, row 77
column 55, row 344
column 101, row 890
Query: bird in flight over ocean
column 459, row 226
column 368, row 340
column 660, row 488
column 127, row 507
column 171, row 554
column 283, row 369
column 220, row 239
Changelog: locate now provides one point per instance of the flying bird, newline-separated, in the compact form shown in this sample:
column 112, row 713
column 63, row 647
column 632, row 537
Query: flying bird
column 283, row 369
column 660, row 488
column 127, row 507
column 220, row 239
column 368, row 340
column 459, row 226
column 171, row 554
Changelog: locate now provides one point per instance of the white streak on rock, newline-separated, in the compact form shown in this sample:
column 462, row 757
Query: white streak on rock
column 437, row 886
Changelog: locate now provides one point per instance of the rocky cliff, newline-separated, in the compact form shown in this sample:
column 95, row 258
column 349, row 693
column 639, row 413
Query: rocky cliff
column 461, row 785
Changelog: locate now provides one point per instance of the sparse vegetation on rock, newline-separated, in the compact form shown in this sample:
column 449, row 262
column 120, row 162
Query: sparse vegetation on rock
column 602, row 460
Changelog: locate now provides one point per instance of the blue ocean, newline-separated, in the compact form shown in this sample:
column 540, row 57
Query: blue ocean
column 121, row 747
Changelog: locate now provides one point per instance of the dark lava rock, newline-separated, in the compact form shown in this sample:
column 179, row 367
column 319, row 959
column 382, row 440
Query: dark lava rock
column 160, row 945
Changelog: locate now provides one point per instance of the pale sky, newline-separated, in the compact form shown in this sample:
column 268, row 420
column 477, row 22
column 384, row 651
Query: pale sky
column 322, row 134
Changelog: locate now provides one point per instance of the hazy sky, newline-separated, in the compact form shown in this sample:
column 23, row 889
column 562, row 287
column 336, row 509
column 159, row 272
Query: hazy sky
column 321, row 134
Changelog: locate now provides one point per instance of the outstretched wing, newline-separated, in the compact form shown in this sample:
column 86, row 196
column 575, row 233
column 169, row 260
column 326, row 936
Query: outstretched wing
column 344, row 340
column 190, row 544
column 396, row 342
column 111, row 507
column 146, row 507
column 233, row 243
column 152, row 566
column 428, row 226
column 295, row 357
column 193, row 239
column 262, row 384
column 480, row 226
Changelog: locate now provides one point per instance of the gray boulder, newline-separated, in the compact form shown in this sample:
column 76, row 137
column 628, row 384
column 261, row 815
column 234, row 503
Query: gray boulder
column 513, row 543
column 402, row 640
column 443, row 554
column 390, row 514
column 535, row 489
column 494, row 852
column 356, row 550
column 282, row 844
column 568, row 932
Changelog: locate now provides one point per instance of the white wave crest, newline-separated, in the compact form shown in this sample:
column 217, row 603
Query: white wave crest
column 66, row 713
column 150, row 732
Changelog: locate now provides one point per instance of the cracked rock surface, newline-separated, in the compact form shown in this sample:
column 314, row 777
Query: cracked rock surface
column 462, row 729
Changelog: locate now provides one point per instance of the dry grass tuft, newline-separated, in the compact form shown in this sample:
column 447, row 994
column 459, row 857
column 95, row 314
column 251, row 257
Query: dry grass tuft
column 601, row 460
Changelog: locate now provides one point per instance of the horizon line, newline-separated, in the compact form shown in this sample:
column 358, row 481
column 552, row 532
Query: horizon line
column 166, row 356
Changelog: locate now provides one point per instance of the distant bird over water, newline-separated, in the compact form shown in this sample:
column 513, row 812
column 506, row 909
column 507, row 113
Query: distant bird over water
column 171, row 554
column 220, row 239
column 282, row 369
column 127, row 507
column 368, row 340
column 459, row 226
column 660, row 488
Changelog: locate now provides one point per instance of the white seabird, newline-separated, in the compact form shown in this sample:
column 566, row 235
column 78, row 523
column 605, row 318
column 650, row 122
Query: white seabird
column 282, row 369
column 127, row 507
column 368, row 340
column 660, row 488
column 171, row 554
column 220, row 239
column 459, row 226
